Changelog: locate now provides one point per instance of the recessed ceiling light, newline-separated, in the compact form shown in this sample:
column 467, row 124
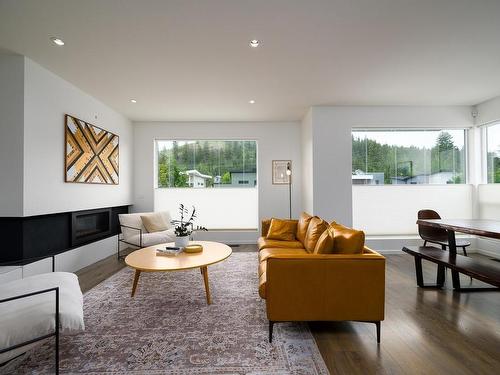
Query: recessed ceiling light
column 57, row 41
column 133, row 101
column 254, row 43
column 251, row 101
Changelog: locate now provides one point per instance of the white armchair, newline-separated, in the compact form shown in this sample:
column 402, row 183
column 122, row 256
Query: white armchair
column 133, row 231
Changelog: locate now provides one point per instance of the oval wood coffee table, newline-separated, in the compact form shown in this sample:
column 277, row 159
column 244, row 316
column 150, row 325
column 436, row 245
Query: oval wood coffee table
column 146, row 260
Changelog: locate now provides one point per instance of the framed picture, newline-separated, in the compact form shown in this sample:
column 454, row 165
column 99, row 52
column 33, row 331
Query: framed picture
column 91, row 154
column 279, row 172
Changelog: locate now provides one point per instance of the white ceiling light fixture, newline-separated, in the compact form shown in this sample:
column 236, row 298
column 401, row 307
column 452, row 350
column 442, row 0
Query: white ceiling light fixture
column 251, row 101
column 133, row 101
column 57, row 41
column 254, row 43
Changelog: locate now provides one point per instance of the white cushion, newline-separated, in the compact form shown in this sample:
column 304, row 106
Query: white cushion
column 27, row 318
column 150, row 239
column 134, row 220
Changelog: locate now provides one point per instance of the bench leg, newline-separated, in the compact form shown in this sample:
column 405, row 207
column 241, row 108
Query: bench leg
column 455, row 277
column 418, row 272
column 441, row 271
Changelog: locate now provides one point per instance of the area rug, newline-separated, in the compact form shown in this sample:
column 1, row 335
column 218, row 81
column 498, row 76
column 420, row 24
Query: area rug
column 168, row 328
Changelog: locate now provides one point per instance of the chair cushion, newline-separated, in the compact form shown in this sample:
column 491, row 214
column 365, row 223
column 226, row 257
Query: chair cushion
column 155, row 222
column 302, row 226
column 266, row 253
column 316, row 228
column 150, row 239
column 27, row 318
column 347, row 240
column 282, row 230
column 325, row 242
column 265, row 243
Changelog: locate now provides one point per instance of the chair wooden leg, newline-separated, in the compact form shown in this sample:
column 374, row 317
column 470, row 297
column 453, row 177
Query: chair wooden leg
column 425, row 243
column 465, row 251
column 271, row 326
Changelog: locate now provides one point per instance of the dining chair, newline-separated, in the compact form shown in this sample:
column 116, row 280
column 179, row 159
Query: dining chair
column 437, row 235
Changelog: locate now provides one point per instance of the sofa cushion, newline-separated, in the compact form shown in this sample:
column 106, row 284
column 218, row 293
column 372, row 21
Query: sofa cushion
column 302, row 226
column 266, row 223
column 347, row 240
column 266, row 253
column 155, row 222
column 316, row 228
column 265, row 243
column 282, row 230
column 325, row 242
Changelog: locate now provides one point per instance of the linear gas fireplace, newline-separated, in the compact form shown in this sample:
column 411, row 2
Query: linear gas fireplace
column 90, row 225
column 30, row 237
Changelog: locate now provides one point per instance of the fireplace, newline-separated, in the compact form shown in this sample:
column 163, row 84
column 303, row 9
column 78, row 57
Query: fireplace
column 90, row 225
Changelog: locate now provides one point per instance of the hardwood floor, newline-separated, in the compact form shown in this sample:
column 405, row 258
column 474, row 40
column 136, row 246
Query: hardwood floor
column 425, row 331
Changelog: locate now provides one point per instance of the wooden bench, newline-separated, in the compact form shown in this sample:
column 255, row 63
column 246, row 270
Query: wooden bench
column 487, row 272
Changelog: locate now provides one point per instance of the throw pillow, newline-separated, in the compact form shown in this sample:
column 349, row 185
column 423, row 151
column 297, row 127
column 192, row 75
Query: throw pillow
column 316, row 228
column 283, row 230
column 347, row 240
column 302, row 226
column 154, row 222
column 325, row 242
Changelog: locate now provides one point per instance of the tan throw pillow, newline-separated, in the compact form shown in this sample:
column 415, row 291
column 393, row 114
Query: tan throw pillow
column 316, row 228
column 302, row 226
column 283, row 230
column 347, row 240
column 325, row 242
column 154, row 222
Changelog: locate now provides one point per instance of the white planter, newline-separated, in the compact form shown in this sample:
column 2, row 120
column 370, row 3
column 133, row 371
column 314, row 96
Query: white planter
column 182, row 241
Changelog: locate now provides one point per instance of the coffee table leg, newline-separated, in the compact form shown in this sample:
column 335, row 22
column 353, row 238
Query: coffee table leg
column 204, row 272
column 136, row 280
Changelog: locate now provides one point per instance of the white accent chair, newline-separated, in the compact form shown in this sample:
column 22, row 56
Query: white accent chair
column 134, row 233
column 38, row 307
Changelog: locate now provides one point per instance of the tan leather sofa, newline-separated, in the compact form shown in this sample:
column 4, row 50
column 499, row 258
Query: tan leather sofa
column 302, row 286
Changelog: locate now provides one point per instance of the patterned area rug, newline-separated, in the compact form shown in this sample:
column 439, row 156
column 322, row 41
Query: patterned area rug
column 168, row 328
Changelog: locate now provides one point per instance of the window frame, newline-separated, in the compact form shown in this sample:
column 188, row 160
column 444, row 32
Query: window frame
column 187, row 139
column 409, row 129
column 484, row 150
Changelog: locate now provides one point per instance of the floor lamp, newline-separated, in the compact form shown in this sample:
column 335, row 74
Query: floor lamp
column 289, row 174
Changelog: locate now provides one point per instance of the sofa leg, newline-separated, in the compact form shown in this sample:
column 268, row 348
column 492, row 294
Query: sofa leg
column 271, row 325
column 377, row 324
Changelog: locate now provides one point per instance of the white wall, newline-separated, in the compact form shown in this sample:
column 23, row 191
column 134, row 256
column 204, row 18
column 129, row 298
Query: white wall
column 392, row 209
column 488, row 111
column 47, row 99
column 11, row 134
column 275, row 141
column 307, row 162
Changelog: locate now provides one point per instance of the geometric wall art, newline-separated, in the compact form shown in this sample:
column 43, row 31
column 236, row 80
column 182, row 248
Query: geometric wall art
column 92, row 153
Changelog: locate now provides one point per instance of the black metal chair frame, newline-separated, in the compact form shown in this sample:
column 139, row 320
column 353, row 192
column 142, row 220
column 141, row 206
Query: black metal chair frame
column 55, row 333
column 121, row 240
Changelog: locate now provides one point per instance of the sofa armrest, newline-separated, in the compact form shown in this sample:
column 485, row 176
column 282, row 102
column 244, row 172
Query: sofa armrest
column 312, row 287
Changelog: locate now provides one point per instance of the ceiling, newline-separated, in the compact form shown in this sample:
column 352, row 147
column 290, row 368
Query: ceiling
column 190, row 60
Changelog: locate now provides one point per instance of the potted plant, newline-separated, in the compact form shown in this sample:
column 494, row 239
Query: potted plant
column 184, row 228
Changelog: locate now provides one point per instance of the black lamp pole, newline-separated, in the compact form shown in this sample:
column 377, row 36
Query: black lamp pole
column 289, row 174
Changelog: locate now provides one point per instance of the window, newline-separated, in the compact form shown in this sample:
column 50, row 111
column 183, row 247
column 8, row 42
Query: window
column 214, row 176
column 493, row 153
column 430, row 156
column 206, row 164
